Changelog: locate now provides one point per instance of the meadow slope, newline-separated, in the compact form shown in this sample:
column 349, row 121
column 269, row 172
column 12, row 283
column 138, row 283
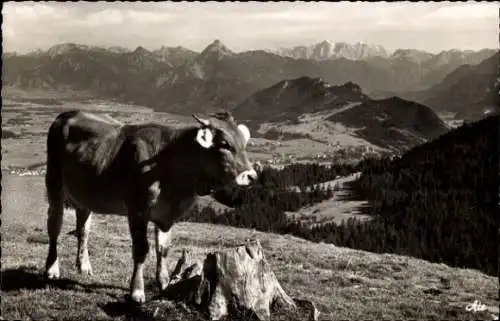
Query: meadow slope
column 344, row 283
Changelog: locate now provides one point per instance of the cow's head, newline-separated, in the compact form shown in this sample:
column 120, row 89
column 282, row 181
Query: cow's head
column 224, row 149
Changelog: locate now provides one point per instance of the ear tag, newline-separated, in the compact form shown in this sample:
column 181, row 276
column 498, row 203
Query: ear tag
column 205, row 137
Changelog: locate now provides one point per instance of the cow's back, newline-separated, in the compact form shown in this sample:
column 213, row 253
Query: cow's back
column 90, row 138
column 84, row 125
column 91, row 161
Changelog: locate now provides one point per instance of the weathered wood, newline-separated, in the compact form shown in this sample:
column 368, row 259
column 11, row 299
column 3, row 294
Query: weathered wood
column 232, row 284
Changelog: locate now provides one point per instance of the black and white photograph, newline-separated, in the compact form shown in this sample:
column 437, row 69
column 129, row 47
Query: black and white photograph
column 265, row 161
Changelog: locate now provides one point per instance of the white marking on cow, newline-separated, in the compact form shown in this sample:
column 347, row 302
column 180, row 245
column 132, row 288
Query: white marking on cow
column 205, row 137
column 138, row 296
column 245, row 132
column 164, row 237
column 53, row 271
column 159, row 208
column 104, row 118
column 246, row 177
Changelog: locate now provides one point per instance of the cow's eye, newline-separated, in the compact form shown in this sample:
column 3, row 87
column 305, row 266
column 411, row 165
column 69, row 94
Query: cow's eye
column 224, row 144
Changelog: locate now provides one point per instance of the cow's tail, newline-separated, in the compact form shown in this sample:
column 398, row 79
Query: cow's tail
column 53, row 180
column 55, row 144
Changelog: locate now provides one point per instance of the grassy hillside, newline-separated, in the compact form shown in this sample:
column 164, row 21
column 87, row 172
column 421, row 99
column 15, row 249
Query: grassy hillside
column 345, row 283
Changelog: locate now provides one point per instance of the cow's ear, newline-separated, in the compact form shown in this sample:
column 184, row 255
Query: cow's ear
column 204, row 137
column 245, row 132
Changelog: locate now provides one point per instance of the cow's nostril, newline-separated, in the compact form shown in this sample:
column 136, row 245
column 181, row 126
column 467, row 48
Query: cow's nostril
column 252, row 176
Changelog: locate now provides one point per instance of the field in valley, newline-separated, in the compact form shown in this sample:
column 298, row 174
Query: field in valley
column 25, row 125
column 335, row 209
column 344, row 283
column 26, row 117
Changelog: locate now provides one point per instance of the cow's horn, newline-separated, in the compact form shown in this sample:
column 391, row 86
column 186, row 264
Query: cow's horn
column 204, row 122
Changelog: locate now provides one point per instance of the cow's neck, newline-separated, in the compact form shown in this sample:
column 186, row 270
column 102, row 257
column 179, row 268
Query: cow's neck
column 180, row 161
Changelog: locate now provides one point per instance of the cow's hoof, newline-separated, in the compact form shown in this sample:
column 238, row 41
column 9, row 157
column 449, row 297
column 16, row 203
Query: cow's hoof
column 162, row 286
column 53, row 272
column 138, row 297
column 163, row 282
column 86, row 269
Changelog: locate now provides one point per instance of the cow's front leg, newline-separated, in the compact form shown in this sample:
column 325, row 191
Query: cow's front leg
column 140, row 246
column 164, row 217
column 163, row 244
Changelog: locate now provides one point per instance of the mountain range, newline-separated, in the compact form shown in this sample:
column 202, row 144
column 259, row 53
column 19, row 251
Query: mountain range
column 329, row 50
column 430, row 67
column 469, row 91
column 176, row 79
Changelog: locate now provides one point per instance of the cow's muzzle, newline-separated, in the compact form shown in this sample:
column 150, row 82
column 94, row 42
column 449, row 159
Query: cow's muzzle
column 246, row 177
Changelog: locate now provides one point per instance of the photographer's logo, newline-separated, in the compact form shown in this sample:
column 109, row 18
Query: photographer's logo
column 476, row 306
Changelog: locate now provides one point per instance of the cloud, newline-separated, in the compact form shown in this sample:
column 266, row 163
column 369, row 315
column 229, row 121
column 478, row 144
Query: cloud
column 463, row 16
column 149, row 17
column 467, row 11
column 22, row 11
column 105, row 17
column 250, row 25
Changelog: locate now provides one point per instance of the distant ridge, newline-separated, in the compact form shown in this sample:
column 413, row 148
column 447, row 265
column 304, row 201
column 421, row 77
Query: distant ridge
column 318, row 107
column 176, row 79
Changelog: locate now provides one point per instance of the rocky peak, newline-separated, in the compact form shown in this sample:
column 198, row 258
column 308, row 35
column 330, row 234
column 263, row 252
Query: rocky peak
column 65, row 48
column 216, row 48
column 352, row 86
column 118, row 49
column 170, row 50
column 139, row 51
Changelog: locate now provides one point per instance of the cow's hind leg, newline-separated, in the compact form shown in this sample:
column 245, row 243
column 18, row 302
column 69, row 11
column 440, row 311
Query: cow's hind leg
column 83, row 221
column 140, row 247
column 163, row 243
column 54, row 222
column 55, row 197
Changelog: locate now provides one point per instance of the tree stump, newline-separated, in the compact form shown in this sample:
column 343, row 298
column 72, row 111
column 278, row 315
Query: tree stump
column 233, row 284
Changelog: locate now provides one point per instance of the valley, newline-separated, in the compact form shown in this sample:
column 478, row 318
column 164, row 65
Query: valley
column 27, row 115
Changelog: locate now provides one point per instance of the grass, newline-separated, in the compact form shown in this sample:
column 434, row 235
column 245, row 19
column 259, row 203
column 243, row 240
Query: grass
column 345, row 284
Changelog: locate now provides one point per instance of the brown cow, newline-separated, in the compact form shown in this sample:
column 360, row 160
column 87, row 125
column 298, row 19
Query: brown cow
column 147, row 172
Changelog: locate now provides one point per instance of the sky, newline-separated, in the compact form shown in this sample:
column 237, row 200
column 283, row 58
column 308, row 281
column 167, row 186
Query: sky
column 430, row 26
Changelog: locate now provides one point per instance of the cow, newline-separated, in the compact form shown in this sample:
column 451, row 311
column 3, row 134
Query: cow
column 147, row 172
